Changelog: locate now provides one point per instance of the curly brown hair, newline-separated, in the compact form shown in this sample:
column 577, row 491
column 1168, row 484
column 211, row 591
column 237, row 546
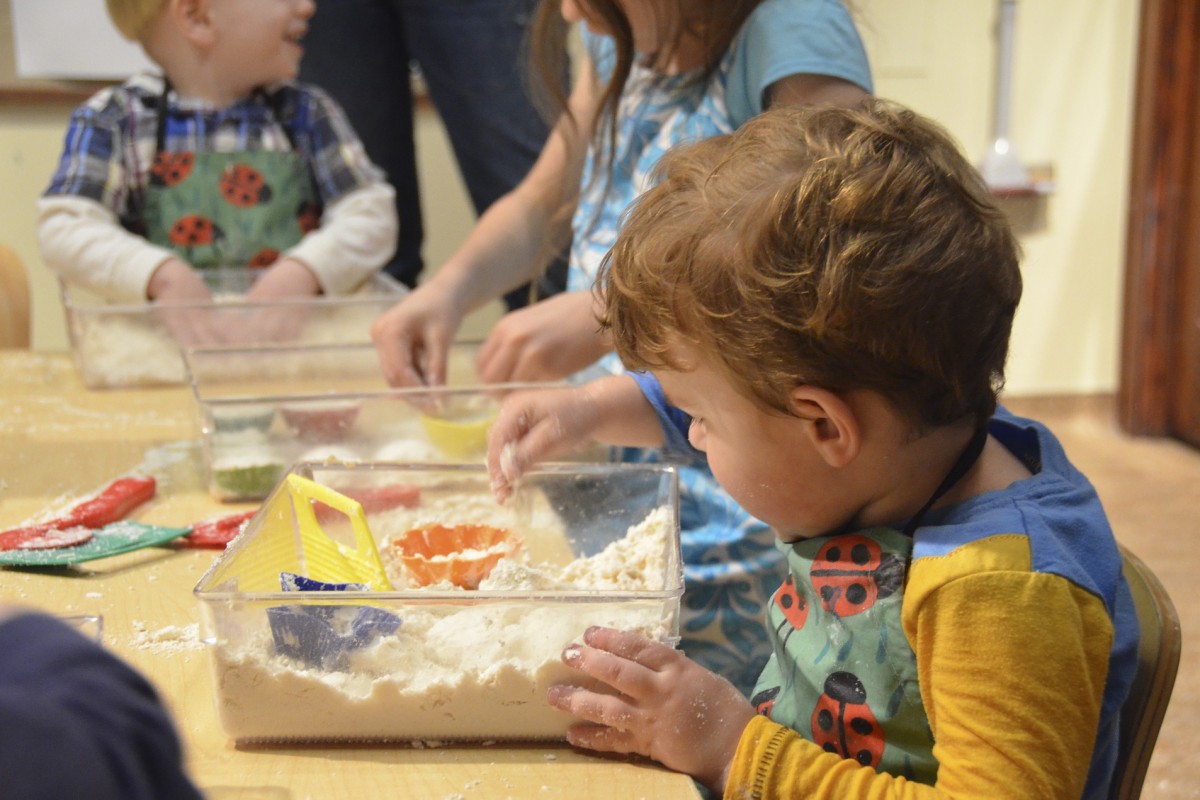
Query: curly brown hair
column 846, row 248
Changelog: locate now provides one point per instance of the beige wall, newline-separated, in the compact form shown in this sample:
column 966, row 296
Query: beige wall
column 1071, row 110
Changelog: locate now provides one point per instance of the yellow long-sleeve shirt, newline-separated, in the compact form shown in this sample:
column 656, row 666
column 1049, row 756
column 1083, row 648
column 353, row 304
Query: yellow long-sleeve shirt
column 1012, row 666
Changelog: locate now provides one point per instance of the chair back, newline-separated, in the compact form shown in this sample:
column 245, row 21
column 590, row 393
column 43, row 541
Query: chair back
column 14, row 300
column 1158, row 662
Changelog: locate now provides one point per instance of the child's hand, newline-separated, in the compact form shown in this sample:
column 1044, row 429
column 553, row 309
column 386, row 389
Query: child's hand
column 286, row 279
column 413, row 337
column 547, row 341
column 174, row 287
column 176, row 282
column 534, row 426
column 669, row 708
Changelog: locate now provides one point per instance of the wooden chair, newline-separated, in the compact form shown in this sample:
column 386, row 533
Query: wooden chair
column 14, row 300
column 1158, row 662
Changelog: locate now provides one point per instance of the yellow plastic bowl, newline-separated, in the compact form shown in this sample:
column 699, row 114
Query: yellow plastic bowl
column 464, row 437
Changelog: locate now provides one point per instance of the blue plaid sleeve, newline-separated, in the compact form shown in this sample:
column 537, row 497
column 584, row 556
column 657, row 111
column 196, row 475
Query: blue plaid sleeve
column 336, row 155
column 90, row 165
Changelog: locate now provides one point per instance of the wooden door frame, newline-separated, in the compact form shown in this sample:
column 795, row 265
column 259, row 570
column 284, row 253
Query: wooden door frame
column 1159, row 357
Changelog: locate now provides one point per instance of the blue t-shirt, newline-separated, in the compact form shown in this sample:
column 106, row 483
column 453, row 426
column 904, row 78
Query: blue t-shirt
column 655, row 111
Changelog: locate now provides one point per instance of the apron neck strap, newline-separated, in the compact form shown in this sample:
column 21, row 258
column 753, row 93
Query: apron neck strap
column 272, row 101
column 962, row 466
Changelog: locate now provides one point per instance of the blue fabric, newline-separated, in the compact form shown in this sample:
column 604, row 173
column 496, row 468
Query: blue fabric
column 1069, row 535
column 473, row 62
column 64, row 700
column 786, row 37
column 675, row 421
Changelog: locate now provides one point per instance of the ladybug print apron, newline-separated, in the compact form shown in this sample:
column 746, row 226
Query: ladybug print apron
column 842, row 673
column 228, row 209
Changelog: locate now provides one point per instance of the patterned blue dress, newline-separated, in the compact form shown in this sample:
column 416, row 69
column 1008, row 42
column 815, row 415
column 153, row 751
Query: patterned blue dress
column 731, row 565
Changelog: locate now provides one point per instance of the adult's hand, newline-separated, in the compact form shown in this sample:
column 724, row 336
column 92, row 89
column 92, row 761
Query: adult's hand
column 546, row 341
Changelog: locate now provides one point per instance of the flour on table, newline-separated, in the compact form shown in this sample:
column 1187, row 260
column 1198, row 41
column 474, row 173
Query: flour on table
column 169, row 639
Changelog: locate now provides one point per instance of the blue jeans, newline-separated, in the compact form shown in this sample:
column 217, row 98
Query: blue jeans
column 473, row 58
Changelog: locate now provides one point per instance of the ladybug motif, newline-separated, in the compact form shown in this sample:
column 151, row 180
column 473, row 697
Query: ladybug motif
column 789, row 601
column 852, row 572
column 842, row 722
column 792, row 605
column 194, row 231
column 764, row 701
column 308, row 216
column 244, row 186
column 170, row 169
column 264, row 258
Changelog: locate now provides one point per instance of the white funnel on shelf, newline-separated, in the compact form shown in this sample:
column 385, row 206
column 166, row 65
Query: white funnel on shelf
column 1001, row 167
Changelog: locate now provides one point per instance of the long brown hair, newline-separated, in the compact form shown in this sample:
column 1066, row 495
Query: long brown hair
column 713, row 22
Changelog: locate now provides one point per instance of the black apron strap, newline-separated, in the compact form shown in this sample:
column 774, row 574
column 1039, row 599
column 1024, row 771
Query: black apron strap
column 160, row 124
column 962, row 466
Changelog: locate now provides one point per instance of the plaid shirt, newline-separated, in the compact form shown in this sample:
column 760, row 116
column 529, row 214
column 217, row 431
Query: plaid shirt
column 111, row 140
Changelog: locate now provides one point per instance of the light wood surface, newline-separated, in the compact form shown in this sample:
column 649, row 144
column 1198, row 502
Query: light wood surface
column 59, row 441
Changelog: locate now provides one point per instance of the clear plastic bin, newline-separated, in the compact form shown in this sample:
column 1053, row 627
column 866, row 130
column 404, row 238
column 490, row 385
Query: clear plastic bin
column 140, row 344
column 599, row 545
column 262, row 409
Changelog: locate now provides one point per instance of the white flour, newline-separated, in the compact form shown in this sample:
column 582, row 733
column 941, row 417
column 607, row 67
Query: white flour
column 476, row 669
column 133, row 348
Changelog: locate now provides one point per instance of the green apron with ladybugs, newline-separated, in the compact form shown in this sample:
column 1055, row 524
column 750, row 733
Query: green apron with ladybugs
column 842, row 673
column 228, row 209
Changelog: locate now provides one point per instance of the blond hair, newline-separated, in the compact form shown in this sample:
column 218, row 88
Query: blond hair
column 133, row 17
column 846, row 248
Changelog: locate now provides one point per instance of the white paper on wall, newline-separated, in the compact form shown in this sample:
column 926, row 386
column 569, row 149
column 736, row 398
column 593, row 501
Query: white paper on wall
column 71, row 39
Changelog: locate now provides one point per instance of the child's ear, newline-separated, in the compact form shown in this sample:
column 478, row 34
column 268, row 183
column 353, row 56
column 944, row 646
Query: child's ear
column 194, row 20
column 830, row 424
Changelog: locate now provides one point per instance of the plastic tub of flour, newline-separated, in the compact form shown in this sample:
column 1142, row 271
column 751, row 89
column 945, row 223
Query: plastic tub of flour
column 140, row 344
column 296, row 658
column 262, row 409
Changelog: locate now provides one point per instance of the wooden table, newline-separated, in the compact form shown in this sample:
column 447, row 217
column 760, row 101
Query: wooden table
column 59, row 441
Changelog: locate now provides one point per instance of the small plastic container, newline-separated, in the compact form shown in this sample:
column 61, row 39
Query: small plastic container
column 262, row 409
column 126, row 345
column 599, row 546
